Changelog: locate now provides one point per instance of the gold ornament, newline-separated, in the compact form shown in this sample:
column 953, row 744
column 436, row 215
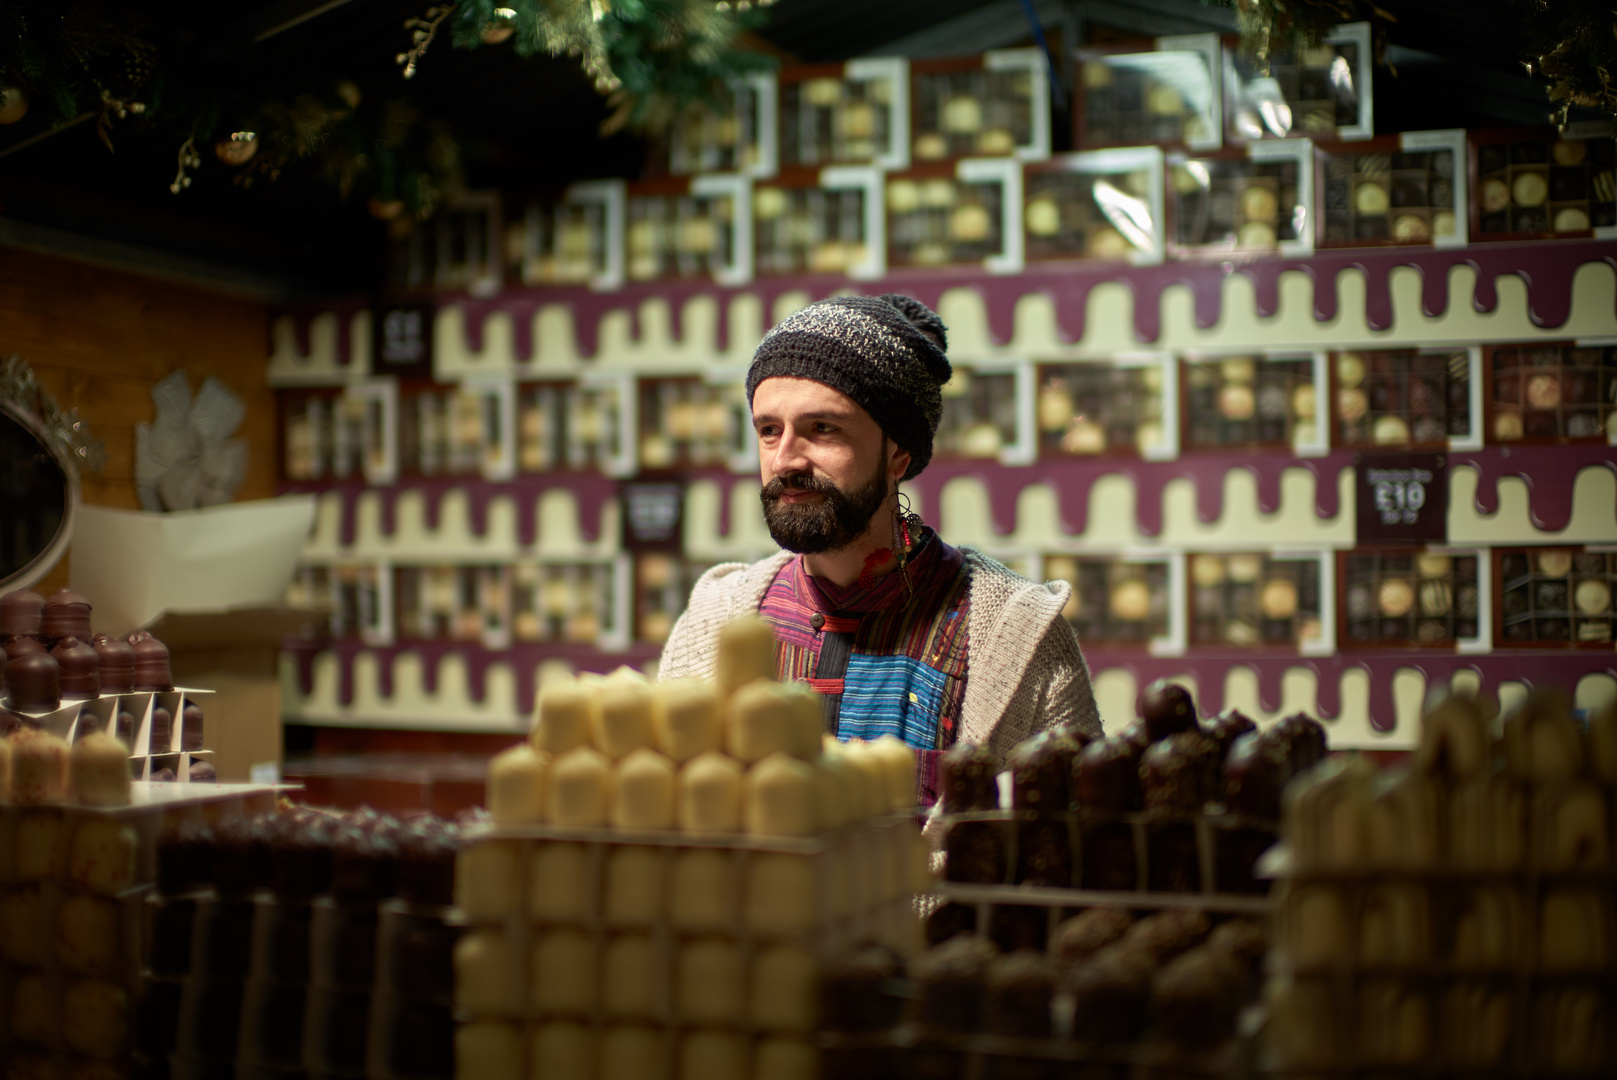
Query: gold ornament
column 500, row 28
column 386, row 210
column 13, row 104
column 238, row 149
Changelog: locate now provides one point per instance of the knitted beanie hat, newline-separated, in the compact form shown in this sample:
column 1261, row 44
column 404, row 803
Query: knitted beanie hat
column 886, row 353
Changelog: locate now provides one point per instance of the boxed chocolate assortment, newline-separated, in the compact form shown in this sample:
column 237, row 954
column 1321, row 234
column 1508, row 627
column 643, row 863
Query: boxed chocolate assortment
column 1259, row 199
column 63, row 683
column 1112, row 408
column 1558, row 596
column 1320, row 91
column 576, row 425
column 1395, row 189
column 468, row 429
column 809, row 227
column 737, row 139
column 578, row 239
column 1117, row 600
column 1403, row 397
column 1552, row 393
column 1539, row 184
column 983, row 415
column 937, row 216
column 852, row 113
column 300, row 940
column 1169, row 94
column 694, row 423
column 668, row 866
column 1410, row 598
column 1255, row 401
column 1455, row 913
column 1102, row 204
column 680, row 228
column 662, row 583
column 996, row 104
column 1259, row 600
column 340, row 434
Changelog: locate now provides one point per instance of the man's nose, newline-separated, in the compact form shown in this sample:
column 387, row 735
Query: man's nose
column 789, row 456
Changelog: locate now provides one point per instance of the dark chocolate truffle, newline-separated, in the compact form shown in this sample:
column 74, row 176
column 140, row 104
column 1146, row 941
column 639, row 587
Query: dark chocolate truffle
column 1177, row 773
column 968, row 779
column 1018, row 926
column 950, row 920
column 165, row 775
column 1197, row 998
column 1107, row 777
column 1044, row 854
column 1086, row 934
column 1111, row 995
column 162, row 738
column 365, row 858
column 1173, row 858
column 151, row 662
column 241, row 854
column 1167, row 709
column 1167, row 933
column 1255, row 774
column 184, row 858
column 1111, row 862
column 21, row 612
column 300, row 856
column 191, row 727
column 1041, row 772
column 203, row 772
column 975, row 853
column 1228, row 726
column 65, row 614
column 856, row 990
column 427, row 851
column 124, row 727
column 80, row 669
column 1305, row 739
column 33, row 683
column 117, row 664
column 950, row 984
column 1020, row 986
column 1245, row 943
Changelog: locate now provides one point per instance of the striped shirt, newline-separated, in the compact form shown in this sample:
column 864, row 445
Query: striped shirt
column 906, row 673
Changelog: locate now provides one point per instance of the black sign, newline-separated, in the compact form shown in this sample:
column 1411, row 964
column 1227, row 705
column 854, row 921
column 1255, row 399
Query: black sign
column 402, row 340
column 652, row 517
column 1402, row 498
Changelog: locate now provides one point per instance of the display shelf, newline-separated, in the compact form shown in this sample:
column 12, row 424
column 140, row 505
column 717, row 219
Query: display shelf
column 578, row 240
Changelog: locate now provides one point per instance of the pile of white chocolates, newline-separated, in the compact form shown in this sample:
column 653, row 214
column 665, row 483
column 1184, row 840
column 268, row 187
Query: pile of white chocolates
column 669, row 867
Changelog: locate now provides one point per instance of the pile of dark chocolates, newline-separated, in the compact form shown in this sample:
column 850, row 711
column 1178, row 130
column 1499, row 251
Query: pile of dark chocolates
column 1109, row 986
column 1169, row 805
column 302, row 940
column 51, row 655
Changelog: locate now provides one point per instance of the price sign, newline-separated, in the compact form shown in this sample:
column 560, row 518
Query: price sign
column 1402, row 497
column 402, row 340
column 653, row 517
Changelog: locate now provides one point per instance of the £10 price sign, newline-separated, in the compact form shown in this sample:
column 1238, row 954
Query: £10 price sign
column 1402, row 497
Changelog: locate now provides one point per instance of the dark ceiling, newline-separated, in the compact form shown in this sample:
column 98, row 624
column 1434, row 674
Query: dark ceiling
column 533, row 124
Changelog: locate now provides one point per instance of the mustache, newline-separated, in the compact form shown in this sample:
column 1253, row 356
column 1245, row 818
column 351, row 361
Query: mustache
column 803, row 482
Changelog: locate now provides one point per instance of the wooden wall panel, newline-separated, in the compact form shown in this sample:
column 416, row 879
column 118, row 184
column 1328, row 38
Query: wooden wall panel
column 99, row 339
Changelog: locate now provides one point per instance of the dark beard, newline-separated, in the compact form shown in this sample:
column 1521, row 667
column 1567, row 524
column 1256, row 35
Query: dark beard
column 828, row 525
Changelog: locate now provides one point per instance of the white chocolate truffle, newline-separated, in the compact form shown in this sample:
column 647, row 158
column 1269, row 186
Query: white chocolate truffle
column 562, row 976
column 87, row 933
column 787, row 1059
column 690, row 718
column 839, row 791
column 713, row 1055
column 516, row 784
column 629, row 977
column 633, row 887
column 99, row 1012
column 780, row 894
column 760, row 721
column 872, row 776
column 709, row 794
column 707, row 981
column 782, row 993
column 623, row 717
column 35, row 1015
column 805, row 720
column 634, row 1053
column 702, row 889
column 22, row 914
column 643, row 791
column 485, row 1051
column 487, row 879
column 746, row 652
column 562, row 1049
column 39, row 771
column 580, row 792
column 99, row 768
column 484, row 973
column 566, row 710
column 102, row 858
column 40, row 850
column 558, row 886
column 779, row 798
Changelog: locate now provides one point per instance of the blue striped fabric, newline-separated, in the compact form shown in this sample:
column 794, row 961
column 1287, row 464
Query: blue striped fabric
column 892, row 695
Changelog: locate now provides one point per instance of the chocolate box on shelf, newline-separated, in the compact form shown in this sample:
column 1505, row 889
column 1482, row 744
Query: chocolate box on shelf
column 578, row 239
column 1558, row 392
column 738, row 139
column 1538, row 183
column 1409, row 188
column 1263, row 600
column 462, row 429
column 1126, row 407
column 826, row 222
column 956, row 214
column 587, row 423
column 852, row 113
column 687, row 422
column 689, row 227
column 987, row 414
column 1124, row 600
column 1275, row 399
column 341, row 434
column 1413, row 598
column 1555, row 596
column 1320, row 91
column 1100, row 204
column 1407, row 397
column 1169, row 93
column 994, row 104
column 1259, row 198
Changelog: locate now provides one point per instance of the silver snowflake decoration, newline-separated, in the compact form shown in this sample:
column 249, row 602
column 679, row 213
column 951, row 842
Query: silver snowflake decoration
column 186, row 458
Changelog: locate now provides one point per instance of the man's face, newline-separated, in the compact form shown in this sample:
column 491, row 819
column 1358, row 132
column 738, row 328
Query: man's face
column 825, row 464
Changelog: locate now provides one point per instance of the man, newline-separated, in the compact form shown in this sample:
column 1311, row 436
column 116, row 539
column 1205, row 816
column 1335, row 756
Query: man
column 902, row 633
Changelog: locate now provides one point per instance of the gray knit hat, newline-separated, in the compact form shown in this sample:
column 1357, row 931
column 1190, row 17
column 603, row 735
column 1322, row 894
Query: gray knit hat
column 886, row 353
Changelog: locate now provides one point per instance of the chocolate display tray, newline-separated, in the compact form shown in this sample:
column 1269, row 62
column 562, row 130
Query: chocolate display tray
column 1010, row 90
column 1421, row 176
column 1556, row 393
column 1362, row 624
column 73, row 719
column 1539, row 610
column 1148, row 1055
column 1504, row 162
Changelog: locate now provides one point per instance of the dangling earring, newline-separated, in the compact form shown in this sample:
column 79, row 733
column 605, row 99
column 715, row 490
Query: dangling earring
column 906, row 529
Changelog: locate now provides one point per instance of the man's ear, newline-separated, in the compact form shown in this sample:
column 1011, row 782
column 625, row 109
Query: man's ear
column 898, row 461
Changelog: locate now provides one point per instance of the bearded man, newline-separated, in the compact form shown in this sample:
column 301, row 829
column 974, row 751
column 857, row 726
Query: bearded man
column 901, row 633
